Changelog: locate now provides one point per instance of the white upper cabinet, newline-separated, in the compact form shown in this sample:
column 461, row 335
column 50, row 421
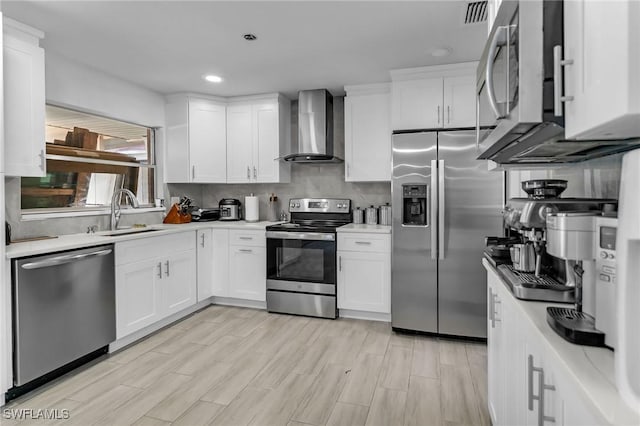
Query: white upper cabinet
column 259, row 133
column 435, row 97
column 196, row 140
column 24, row 100
column 367, row 127
column 603, row 78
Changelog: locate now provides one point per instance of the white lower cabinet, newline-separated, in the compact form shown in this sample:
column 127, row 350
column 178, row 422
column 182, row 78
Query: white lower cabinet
column 155, row 278
column 205, row 269
column 364, row 272
column 247, row 266
column 526, row 385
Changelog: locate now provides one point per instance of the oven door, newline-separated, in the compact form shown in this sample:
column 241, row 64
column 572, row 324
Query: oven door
column 301, row 262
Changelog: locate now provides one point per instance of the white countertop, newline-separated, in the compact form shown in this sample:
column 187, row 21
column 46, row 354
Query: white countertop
column 591, row 368
column 370, row 229
column 73, row 241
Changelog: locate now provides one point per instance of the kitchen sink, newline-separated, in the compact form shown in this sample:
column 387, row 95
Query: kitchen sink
column 127, row 231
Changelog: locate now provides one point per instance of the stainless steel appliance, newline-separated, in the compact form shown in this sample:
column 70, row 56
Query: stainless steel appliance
column 315, row 128
column 570, row 236
column 553, row 279
column 605, row 276
column 523, row 257
column 230, row 209
column 444, row 202
column 63, row 310
column 205, row 214
column 519, row 89
column 301, row 258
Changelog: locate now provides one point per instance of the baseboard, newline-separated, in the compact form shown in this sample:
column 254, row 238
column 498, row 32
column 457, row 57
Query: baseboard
column 364, row 315
column 134, row 337
column 230, row 301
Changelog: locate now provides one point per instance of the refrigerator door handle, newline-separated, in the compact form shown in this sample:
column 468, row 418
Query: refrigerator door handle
column 441, row 209
column 433, row 211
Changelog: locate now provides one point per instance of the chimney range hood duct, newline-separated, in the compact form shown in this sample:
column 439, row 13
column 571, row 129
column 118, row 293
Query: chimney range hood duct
column 315, row 128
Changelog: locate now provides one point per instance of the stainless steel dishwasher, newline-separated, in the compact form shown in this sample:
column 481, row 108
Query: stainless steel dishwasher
column 63, row 310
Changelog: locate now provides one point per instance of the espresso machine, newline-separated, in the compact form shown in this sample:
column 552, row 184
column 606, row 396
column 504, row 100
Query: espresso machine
column 531, row 271
column 570, row 236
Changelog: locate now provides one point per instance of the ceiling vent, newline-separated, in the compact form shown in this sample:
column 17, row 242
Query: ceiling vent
column 476, row 12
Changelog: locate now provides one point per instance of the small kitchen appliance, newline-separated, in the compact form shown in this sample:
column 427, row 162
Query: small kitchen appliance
column 605, row 277
column 301, row 258
column 199, row 214
column 570, row 236
column 552, row 279
column 230, row 209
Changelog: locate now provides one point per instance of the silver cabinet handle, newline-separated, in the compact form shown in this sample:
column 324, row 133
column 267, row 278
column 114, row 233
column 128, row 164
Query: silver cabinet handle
column 541, row 389
column 478, row 124
column 193, row 172
column 202, row 238
column 246, row 238
column 432, row 213
column 498, row 39
column 167, row 268
column 496, row 301
column 339, row 263
column 364, row 243
column 491, row 310
column 248, row 172
column 348, row 170
column 160, row 270
column 245, row 250
column 438, row 112
column 448, row 114
column 441, row 209
column 61, row 260
column 558, row 83
column 43, row 160
column 255, row 172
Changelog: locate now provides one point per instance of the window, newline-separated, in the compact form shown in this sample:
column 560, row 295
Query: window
column 88, row 157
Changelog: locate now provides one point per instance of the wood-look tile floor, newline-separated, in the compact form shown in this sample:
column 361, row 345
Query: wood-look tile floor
column 234, row 366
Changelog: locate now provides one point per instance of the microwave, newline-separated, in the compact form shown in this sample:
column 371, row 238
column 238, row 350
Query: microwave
column 515, row 82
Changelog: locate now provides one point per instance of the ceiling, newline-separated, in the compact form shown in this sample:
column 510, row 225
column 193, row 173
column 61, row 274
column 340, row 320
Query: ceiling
column 167, row 46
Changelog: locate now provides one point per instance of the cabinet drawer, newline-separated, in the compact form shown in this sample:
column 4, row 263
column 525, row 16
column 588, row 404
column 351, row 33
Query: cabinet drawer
column 154, row 247
column 380, row 243
column 247, row 238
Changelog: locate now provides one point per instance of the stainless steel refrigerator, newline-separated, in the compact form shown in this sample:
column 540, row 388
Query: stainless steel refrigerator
column 444, row 203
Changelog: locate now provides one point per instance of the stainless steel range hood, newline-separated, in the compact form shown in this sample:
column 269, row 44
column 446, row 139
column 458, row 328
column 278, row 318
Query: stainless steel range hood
column 315, row 128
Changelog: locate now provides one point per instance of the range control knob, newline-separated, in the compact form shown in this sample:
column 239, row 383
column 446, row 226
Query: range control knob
column 603, row 255
column 612, row 256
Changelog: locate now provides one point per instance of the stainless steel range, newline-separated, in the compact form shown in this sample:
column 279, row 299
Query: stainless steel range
column 301, row 258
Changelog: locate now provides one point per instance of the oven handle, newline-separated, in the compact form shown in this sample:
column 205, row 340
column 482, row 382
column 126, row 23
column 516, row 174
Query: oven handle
column 317, row 236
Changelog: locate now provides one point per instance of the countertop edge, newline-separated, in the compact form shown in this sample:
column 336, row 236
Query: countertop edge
column 596, row 386
column 75, row 241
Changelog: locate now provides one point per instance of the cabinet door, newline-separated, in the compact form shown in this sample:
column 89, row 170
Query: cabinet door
column 247, row 273
column 205, row 261
column 604, row 70
column 138, row 295
column 495, row 373
column 364, row 281
column 266, row 142
column 459, row 102
column 417, row 104
column 207, row 141
column 24, row 108
column 179, row 281
column 367, row 137
column 220, row 262
column 239, row 144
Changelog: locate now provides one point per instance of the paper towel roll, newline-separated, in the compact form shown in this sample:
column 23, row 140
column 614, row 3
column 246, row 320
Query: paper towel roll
column 251, row 213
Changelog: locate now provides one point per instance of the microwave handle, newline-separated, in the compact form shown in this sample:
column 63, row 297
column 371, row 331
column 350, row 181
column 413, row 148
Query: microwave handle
column 491, row 94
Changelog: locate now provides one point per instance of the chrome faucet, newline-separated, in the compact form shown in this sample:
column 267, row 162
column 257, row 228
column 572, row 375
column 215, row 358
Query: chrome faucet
column 115, row 200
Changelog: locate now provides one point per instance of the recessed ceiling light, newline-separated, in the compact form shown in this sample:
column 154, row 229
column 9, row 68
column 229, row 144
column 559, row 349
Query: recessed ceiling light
column 249, row 37
column 213, row 78
column 441, row 52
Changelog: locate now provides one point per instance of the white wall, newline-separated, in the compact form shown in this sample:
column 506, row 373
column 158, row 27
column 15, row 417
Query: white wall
column 77, row 86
